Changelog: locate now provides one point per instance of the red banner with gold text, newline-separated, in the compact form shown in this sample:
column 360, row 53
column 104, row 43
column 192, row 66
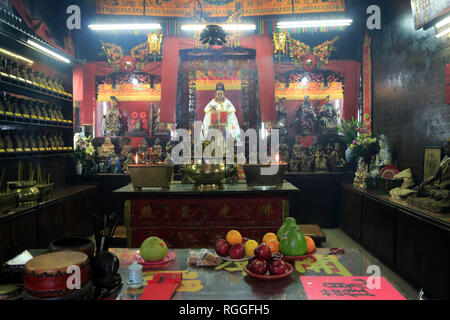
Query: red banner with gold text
column 215, row 8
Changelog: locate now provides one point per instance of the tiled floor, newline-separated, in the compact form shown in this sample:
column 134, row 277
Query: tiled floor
column 336, row 238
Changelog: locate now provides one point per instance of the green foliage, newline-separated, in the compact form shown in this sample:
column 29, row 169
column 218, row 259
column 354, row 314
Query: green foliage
column 349, row 128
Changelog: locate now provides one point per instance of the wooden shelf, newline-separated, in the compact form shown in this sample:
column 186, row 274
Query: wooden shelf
column 33, row 154
column 32, row 91
column 6, row 119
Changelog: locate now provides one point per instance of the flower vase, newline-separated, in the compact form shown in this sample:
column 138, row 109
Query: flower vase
column 349, row 156
column 79, row 167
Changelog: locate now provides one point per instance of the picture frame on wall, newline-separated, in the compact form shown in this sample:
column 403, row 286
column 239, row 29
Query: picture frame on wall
column 432, row 157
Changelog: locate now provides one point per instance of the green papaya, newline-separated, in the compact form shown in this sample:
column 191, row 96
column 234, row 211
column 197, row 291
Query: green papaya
column 288, row 222
column 293, row 242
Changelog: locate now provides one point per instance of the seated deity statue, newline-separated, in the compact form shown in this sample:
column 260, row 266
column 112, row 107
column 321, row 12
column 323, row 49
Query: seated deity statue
column 306, row 118
column 327, row 117
column 220, row 114
column 157, row 151
column 107, row 149
column 383, row 158
column 434, row 193
column 113, row 119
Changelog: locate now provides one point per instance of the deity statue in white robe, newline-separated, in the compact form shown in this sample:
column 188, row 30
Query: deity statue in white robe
column 220, row 114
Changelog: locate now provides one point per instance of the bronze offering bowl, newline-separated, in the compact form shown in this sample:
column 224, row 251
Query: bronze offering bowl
column 26, row 191
column 8, row 201
column 44, row 191
column 151, row 176
column 255, row 179
column 208, row 176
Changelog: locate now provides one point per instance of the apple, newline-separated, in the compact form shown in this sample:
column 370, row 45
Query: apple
column 277, row 266
column 244, row 240
column 222, row 247
column 237, row 251
column 263, row 252
column 250, row 263
column 278, row 256
column 259, row 266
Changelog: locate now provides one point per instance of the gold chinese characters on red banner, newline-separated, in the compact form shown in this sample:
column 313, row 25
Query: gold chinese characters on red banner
column 215, row 8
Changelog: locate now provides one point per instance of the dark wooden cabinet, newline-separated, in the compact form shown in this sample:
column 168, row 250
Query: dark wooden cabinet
column 351, row 213
column 4, row 241
column 53, row 223
column 378, row 228
column 413, row 241
column 23, row 233
column 423, row 254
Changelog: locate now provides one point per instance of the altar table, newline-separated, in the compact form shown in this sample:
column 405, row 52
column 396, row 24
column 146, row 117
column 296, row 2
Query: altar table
column 186, row 218
column 230, row 282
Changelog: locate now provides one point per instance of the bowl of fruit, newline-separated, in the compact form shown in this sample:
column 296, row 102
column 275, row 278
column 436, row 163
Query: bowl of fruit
column 267, row 266
column 235, row 247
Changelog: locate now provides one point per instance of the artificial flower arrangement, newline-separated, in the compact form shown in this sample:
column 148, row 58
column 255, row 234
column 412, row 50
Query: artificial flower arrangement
column 83, row 147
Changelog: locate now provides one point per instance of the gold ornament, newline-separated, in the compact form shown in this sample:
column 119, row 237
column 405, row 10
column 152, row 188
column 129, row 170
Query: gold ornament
column 154, row 43
column 279, row 42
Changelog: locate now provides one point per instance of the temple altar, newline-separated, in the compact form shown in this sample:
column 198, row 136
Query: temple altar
column 187, row 218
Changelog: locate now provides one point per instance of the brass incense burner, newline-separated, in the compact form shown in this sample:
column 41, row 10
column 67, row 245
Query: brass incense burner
column 209, row 176
column 256, row 180
column 27, row 192
column 151, row 176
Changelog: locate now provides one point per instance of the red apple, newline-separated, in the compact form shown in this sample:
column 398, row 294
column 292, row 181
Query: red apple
column 259, row 266
column 237, row 251
column 250, row 263
column 263, row 252
column 222, row 247
column 278, row 256
column 277, row 266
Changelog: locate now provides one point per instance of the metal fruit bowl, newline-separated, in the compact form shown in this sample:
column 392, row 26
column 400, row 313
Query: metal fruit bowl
column 151, row 175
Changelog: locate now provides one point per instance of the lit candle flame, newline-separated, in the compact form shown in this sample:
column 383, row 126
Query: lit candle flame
column 136, row 158
column 277, row 158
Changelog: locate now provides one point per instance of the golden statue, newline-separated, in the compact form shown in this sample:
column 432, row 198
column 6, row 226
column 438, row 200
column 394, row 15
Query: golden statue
column 107, row 149
column 113, row 120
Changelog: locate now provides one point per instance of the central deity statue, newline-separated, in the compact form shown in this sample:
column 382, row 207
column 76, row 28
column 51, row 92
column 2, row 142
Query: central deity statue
column 113, row 119
column 220, row 114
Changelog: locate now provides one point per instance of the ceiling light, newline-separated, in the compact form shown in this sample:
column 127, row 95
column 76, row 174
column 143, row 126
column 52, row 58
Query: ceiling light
column 443, row 33
column 48, row 51
column 16, row 56
column 314, row 23
column 442, row 23
column 124, row 26
column 226, row 27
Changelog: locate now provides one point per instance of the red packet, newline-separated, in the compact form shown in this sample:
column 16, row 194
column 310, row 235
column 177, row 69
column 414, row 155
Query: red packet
column 214, row 118
column 223, row 117
column 162, row 286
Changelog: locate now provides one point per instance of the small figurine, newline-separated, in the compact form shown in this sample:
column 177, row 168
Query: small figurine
column 284, row 151
column 157, row 152
column 114, row 165
column 328, row 117
column 15, row 105
column 25, row 140
column 107, row 149
column 18, row 141
column 8, row 142
column 126, row 148
column 383, row 158
column 281, row 117
column 143, row 152
column 336, row 160
column 320, row 161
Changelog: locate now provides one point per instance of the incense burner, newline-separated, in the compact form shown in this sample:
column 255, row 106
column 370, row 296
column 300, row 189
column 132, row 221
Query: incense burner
column 26, row 191
column 151, row 176
column 8, row 201
column 208, row 176
column 44, row 191
column 255, row 178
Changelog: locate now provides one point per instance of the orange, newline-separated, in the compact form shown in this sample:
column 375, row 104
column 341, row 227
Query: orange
column 310, row 245
column 274, row 245
column 269, row 236
column 234, row 237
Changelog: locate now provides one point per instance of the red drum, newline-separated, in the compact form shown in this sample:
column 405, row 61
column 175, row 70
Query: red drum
column 46, row 276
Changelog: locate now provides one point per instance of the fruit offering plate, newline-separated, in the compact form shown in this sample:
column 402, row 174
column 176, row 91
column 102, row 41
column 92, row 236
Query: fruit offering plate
column 289, row 271
column 245, row 258
column 300, row 258
column 169, row 257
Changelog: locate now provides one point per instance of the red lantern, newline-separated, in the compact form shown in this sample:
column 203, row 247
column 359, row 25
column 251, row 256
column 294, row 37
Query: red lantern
column 143, row 115
column 127, row 64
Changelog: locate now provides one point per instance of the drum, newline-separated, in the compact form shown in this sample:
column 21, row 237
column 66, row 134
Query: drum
column 47, row 275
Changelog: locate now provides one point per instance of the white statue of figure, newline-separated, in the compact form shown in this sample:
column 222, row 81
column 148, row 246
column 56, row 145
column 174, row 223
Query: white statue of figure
column 383, row 158
column 221, row 114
